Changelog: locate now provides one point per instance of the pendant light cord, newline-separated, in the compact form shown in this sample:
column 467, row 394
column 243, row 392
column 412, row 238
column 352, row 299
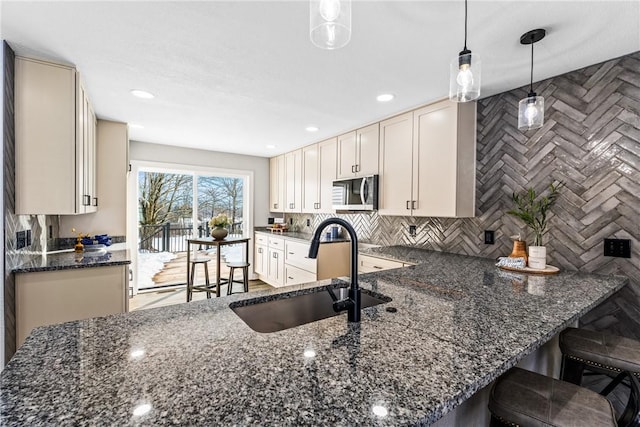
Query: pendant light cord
column 531, row 84
column 465, row 24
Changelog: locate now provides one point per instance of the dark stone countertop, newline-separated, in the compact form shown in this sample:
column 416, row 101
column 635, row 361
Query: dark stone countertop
column 460, row 323
column 71, row 260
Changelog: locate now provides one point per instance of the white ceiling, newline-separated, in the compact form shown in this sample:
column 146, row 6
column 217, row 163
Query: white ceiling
column 235, row 76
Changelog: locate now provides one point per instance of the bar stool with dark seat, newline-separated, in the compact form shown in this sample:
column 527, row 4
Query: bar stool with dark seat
column 598, row 352
column 528, row 399
column 245, row 275
column 191, row 285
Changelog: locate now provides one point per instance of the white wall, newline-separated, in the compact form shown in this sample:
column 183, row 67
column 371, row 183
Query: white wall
column 144, row 151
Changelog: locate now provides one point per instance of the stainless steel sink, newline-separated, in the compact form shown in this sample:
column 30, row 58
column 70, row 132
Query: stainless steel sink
column 294, row 309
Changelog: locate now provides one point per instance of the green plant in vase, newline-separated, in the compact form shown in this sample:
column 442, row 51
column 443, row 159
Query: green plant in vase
column 532, row 209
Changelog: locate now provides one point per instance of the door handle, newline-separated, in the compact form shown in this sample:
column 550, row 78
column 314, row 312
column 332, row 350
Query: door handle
column 413, row 204
column 95, row 201
column 408, row 204
column 86, row 200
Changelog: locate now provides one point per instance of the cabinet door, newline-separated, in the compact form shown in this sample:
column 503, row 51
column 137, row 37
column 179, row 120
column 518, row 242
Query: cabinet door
column 260, row 257
column 89, row 199
column 310, row 179
column 49, row 297
column 396, row 152
column 435, row 160
column 297, row 254
column 276, row 184
column 328, row 152
column 295, row 276
column 276, row 267
column 347, row 155
column 293, row 181
column 45, row 127
column 367, row 154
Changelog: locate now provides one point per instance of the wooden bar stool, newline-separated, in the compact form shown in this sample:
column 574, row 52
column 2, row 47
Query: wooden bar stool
column 191, row 285
column 525, row 398
column 245, row 275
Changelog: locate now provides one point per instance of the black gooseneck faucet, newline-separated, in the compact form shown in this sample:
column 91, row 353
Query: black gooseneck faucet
column 352, row 303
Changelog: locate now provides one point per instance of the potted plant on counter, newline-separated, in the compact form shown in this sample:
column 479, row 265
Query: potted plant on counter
column 217, row 225
column 532, row 209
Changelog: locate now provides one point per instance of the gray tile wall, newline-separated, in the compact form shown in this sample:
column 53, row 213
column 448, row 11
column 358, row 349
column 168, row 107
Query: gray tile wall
column 590, row 141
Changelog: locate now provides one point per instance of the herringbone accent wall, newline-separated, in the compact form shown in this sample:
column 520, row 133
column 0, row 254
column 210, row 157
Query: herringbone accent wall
column 590, row 141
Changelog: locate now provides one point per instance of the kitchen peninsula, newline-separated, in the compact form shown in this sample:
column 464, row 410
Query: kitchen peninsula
column 459, row 322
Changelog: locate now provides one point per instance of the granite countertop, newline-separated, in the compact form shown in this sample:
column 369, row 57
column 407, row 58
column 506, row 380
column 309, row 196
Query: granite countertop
column 69, row 260
column 460, row 323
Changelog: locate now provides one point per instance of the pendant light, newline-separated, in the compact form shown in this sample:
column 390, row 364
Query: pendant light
column 330, row 23
column 531, row 108
column 464, row 81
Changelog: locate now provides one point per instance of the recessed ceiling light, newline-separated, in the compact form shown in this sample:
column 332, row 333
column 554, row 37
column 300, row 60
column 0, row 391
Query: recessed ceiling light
column 311, row 129
column 135, row 126
column 142, row 94
column 271, row 146
column 385, row 97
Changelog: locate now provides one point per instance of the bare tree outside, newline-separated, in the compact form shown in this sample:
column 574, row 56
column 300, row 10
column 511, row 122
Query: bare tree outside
column 166, row 205
column 163, row 198
column 218, row 195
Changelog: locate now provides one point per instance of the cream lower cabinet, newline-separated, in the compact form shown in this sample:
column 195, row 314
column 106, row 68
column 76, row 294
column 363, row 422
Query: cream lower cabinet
column 427, row 161
column 50, row 297
column 275, row 267
column 260, row 259
column 288, row 263
column 55, row 140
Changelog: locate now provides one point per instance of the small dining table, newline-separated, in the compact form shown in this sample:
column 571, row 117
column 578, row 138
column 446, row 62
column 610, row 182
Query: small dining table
column 210, row 241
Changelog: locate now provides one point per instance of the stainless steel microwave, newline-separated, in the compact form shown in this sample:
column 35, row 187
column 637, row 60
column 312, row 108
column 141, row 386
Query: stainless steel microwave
column 355, row 194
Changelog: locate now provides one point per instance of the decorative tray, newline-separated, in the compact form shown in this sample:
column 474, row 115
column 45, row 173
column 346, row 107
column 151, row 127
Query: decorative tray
column 278, row 229
column 549, row 270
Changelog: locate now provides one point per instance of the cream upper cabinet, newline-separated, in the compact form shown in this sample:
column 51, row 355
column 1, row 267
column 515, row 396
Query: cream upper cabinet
column 444, row 162
column 427, row 161
column 319, row 162
column 293, row 181
column 55, row 140
column 358, row 152
column 276, row 183
column 310, row 178
column 396, row 174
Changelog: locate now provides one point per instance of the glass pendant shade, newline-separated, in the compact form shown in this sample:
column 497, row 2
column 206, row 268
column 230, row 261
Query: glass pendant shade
column 464, row 80
column 531, row 112
column 330, row 23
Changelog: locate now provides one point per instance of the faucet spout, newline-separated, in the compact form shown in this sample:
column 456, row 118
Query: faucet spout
column 352, row 304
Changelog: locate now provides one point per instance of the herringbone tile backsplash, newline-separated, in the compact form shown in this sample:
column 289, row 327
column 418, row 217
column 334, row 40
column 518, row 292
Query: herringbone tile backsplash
column 590, row 141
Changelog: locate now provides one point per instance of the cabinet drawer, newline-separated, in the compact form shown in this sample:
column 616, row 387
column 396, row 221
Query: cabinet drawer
column 367, row 264
column 276, row 242
column 294, row 275
column 297, row 254
column 262, row 239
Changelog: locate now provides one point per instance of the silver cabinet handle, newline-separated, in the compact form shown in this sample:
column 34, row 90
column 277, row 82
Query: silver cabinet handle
column 408, row 204
column 86, row 200
column 413, row 204
column 95, row 201
column 377, row 267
